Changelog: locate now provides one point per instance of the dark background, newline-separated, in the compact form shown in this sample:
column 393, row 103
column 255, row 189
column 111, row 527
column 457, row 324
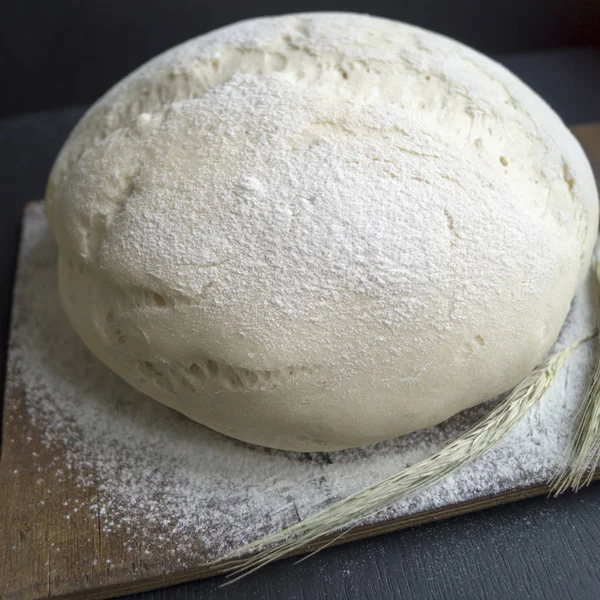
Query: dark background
column 58, row 56
column 64, row 52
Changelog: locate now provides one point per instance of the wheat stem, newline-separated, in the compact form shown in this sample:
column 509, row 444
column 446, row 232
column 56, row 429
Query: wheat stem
column 375, row 498
column 583, row 454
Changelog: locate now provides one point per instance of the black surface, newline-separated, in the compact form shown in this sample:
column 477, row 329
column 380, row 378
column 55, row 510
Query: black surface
column 57, row 53
column 540, row 549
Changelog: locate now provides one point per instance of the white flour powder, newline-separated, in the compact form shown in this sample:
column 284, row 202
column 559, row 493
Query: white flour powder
column 154, row 467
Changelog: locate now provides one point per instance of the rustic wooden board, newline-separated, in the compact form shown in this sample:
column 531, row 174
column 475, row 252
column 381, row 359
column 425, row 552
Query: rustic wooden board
column 44, row 555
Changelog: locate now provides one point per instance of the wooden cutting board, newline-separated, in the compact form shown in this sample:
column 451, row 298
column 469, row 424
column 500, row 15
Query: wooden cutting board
column 43, row 554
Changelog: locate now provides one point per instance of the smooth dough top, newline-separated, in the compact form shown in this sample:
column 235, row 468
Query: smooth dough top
column 321, row 230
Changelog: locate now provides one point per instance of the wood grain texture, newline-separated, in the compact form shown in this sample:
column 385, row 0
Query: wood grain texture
column 44, row 555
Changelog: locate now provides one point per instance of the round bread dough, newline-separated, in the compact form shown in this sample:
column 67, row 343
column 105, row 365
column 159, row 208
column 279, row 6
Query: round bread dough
column 319, row 231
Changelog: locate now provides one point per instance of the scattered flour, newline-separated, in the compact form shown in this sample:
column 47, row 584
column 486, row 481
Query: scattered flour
column 155, row 468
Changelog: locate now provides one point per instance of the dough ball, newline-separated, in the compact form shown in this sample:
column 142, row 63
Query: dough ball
column 319, row 231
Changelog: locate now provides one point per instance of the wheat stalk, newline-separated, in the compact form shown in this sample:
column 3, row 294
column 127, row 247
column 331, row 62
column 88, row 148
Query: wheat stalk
column 346, row 513
column 583, row 454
